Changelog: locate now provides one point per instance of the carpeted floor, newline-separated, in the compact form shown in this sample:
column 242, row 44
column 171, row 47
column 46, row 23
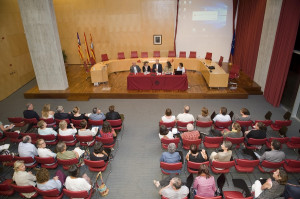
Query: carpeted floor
column 136, row 163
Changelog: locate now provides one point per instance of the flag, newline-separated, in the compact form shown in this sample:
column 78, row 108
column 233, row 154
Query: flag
column 234, row 28
column 92, row 48
column 232, row 43
column 86, row 50
column 79, row 48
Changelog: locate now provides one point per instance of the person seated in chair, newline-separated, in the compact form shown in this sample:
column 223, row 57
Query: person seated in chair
column 157, row 67
column 168, row 68
column 97, row 115
column 191, row 134
column 223, row 156
column 135, row 68
column 29, row 113
column 112, row 114
column 76, row 115
column 181, row 68
column 64, row 131
column 292, row 189
column 63, row 154
column 168, row 117
column 204, row 117
column 196, row 156
column 84, row 131
column 172, row 156
column 165, row 133
column 100, row 153
column 185, row 116
column 259, row 132
column 60, row 115
column 245, row 115
column 204, row 183
column 43, row 152
column 27, row 149
column 46, row 112
column 43, row 130
column 146, row 67
column 75, row 183
column 44, row 183
column 173, row 187
column 222, row 116
column 236, row 131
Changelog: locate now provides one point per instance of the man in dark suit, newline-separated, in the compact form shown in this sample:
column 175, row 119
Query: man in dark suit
column 135, row 68
column 60, row 114
column 157, row 67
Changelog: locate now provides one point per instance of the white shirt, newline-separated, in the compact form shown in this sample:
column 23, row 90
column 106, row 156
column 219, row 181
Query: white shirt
column 185, row 117
column 77, row 184
column 181, row 69
column 67, row 132
column 222, row 118
column 88, row 132
column 169, row 135
column 45, row 153
column 134, row 69
column 168, row 119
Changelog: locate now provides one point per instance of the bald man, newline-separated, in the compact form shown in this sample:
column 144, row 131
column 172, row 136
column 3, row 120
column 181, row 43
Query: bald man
column 135, row 68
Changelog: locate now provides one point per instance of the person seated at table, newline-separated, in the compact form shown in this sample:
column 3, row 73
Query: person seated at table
column 165, row 133
column 181, row 68
column 44, row 183
column 75, row 183
column 168, row 68
column 196, row 156
column 146, row 67
column 157, row 68
column 135, row 68
column 204, row 183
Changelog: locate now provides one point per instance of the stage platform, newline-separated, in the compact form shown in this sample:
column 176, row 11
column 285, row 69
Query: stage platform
column 81, row 89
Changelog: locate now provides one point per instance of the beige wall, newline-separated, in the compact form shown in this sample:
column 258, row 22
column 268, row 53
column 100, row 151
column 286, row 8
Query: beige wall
column 116, row 26
column 15, row 62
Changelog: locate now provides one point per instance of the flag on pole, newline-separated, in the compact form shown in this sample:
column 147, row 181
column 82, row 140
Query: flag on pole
column 92, row 48
column 79, row 48
column 87, row 50
column 234, row 28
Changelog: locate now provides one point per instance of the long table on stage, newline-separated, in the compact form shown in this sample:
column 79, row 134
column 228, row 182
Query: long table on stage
column 152, row 81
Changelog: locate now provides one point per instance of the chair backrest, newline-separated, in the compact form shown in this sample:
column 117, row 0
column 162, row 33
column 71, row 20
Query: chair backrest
column 48, row 120
column 245, row 123
column 196, row 165
column 273, row 165
column 27, row 160
column 6, row 158
column 30, row 121
column 67, row 162
column 166, row 142
column 200, row 197
column 183, row 124
column 235, row 140
column 293, row 163
column 47, row 160
column 49, row 193
column 84, row 138
column 257, row 141
column 76, row 194
column 65, row 138
column 208, row 56
column 156, row 53
column 234, row 71
column 144, row 54
column 182, row 54
column 234, row 197
column 171, row 166
column 94, row 164
column 283, row 122
column 192, row 54
column 76, row 122
column 162, row 197
column 105, row 140
column 121, row 55
column 23, row 189
column 188, row 143
column 104, row 57
column 134, row 54
column 295, row 140
column 223, row 124
column 221, row 61
column 281, row 140
column 247, row 163
column 213, row 140
column 266, row 122
column 47, row 138
column 33, row 136
column 58, row 121
column 224, row 165
column 15, row 119
column 115, row 123
column 13, row 135
column 204, row 124
column 172, row 53
column 95, row 122
column 168, row 124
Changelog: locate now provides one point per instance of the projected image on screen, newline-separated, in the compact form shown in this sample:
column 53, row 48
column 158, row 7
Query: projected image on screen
column 205, row 26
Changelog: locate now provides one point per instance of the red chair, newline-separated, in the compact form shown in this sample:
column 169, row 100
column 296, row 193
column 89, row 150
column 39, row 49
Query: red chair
column 181, row 126
column 225, row 166
column 17, row 121
column 187, row 143
column 236, row 141
column 281, row 140
column 270, row 165
column 182, row 54
column 134, row 54
column 76, row 123
column 78, row 194
column 24, row 189
column 170, row 167
column 144, row 54
column 169, row 125
column 27, row 160
column 107, row 142
column 276, row 126
column 235, row 195
column 204, row 124
column 254, row 142
column 58, row 121
column 265, row 122
column 95, row 122
column 208, row 56
column 292, row 166
column 221, row 61
column 166, row 142
column 234, row 74
column 192, row 54
column 97, row 166
column 48, row 163
column 104, row 57
column 93, row 62
column 67, row 163
column 83, row 140
column 172, row 53
column 50, row 194
column 294, row 143
column 156, row 53
column 32, row 121
column 121, row 55
column 245, row 166
column 6, row 189
column 13, row 137
column 50, row 122
column 193, row 167
column 162, row 197
column 222, row 125
column 212, row 142
column 68, row 139
column 200, row 197
column 245, row 124
column 49, row 139
column 7, row 160
column 33, row 136
column 116, row 124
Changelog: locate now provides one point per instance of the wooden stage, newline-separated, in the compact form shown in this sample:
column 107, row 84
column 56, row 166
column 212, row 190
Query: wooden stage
column 81, row 89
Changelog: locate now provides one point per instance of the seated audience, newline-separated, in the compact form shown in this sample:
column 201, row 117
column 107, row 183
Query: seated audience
column 100, row 153
column 165, row 133
column 44, row 183
column 222, row 116
column 46, row 112
column 135, row 68
column 191, row 134
column 204, row 117
column 43, row 152
column 168, row 117
column 112, row 115
column 108, row 132
column 185, row 116
column 146, row 67
column 271, row 189
column 157, row 67
column 23, row 178
column 173, row 187
column 223, row 156
column 83, row 131
column 26, row 149
column 97, row 115
column 172, row 156
column 181, row 68
column 245, row 115
column 292, row 189
column 275, row 155
column 76, row 115
column 2, row 129
column 236, row 131
column 196, row 156
column 60, row 114
column 62, row 152
column 75, row 183
column 259, row 132
column 29, row 113
column 204, row 183
column 168, row 68
column 43, row 130
column 63, row 130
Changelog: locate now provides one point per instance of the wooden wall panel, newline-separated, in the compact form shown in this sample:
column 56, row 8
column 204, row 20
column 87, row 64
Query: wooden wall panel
column 116, row 26
column 15, row 63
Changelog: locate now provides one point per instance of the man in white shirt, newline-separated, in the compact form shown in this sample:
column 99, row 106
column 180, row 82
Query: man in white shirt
column 26, row 149
column 222, row 116
column 135, row 68
column 186, row 116
column 157, row 67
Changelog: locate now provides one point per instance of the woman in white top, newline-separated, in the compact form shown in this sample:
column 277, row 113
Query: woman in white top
column 23, row 178
column 63, row 130
column 74, row 183
column 168, row 117
column 165, row 133
column 43, row 130
column 42, row 150
column 46, row 113
column 83, row 131
column 181, row 68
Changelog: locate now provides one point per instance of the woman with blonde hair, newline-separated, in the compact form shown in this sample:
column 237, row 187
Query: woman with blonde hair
column 46, row 112
column 204, row 117
column 236, row 131
column 23, row 178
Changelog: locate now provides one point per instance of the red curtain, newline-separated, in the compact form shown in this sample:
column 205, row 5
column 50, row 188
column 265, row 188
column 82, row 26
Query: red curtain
column 176, row 23
column 282, row 50
column 248, row 32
